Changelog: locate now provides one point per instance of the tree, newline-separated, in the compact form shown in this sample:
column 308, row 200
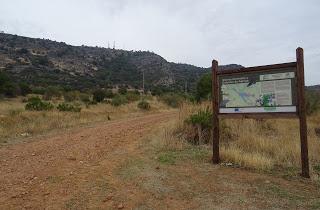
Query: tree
column 24, row 89
column 204, row 87
column 7, row 87
column 10, row 89
column 122, row 90
column 99, row 95
column 3, row 79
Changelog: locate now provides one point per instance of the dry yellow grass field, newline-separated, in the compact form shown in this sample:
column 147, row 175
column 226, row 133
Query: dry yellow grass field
column 255, row 144
column 15, row 122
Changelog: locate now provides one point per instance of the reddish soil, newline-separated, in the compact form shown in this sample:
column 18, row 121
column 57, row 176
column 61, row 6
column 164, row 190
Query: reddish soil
column 111, row 166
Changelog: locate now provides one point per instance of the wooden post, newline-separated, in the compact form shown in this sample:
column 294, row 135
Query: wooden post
column 215, row 109
column 302, row 114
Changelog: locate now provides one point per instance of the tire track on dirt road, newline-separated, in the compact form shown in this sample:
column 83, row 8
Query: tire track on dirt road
column 59, row 171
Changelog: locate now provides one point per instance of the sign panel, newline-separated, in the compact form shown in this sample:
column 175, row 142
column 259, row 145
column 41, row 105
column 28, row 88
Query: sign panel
column 269, row 91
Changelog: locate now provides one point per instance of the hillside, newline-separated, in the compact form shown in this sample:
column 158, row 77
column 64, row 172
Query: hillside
column 314, row 88
column 42, row 62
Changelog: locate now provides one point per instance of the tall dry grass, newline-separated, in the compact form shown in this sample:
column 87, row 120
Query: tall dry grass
column 259, row 144
column 15, row 122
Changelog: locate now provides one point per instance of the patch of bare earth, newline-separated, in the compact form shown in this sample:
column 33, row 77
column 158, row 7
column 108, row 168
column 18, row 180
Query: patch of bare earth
column 114, row 166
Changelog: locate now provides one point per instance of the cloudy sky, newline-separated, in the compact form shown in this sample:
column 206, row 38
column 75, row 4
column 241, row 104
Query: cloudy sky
column 246, row 32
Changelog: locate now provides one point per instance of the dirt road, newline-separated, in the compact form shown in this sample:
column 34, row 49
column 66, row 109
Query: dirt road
column 111, row 166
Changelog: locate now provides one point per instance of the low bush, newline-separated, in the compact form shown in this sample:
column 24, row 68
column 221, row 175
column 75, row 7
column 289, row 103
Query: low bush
column 201, row 124
column 144, row 105
column 312, row 102
column 109, row 94
column 92, row 103
column 68, row 108
column 38, row 90
column 24, row 89
column 119, row 100
column 51, row 92
column 122, row 90
column 132, row 96
column 71, row 96
column 36, row 104
column 84, row 97
column 171, row 99
column 202, row 118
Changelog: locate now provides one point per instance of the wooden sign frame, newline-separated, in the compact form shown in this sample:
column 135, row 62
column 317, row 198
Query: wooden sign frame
column 300, row 105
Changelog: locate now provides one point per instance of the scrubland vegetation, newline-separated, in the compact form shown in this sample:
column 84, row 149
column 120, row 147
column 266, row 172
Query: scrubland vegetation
column 255, row 144
column 54, row 109
column 266, row 145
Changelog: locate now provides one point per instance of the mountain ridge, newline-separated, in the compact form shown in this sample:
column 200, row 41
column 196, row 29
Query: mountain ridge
column 42, row 62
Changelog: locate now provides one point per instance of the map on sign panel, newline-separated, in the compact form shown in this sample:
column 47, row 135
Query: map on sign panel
column 254, row 92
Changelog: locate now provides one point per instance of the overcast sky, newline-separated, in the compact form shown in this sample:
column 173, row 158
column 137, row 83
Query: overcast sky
column 246, row 32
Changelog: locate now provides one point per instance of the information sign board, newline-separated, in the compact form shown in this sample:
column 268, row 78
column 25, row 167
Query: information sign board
column 258, row 92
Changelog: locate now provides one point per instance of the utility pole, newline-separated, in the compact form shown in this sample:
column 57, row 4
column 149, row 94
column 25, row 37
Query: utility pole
column 114, row 44
column 108, row 45
column 143, row 81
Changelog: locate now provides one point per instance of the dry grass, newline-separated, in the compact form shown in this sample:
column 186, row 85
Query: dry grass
column 164, row 139
column 268, row 143
column 259, row 144
column 15, row 122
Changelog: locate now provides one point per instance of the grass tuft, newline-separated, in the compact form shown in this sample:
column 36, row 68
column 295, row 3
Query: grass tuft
column 255, row 144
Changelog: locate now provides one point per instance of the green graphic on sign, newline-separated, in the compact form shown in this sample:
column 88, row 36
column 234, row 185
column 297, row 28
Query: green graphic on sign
column 253, row 92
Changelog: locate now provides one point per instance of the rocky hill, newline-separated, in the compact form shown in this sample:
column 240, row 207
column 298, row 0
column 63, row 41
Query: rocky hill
column 42, row 62
column 314, row 88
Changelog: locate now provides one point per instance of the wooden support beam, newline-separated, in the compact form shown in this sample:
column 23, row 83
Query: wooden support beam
column 302, row 114
column 215, row 110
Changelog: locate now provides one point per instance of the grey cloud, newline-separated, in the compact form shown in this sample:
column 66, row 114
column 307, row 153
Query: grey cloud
column 247, row 32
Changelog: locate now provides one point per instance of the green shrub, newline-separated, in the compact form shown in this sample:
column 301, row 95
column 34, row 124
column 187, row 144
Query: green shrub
column 122, row 90
column 144, row 105
column 132, row 96
column 199, row 127
column 84, row 97
column 24, row 89
column 109, row 94
column 312, row 102
column 51, row 92
column 71, row 96
column 171, row 99
column 99, row 95
column 202, row 118
column 7, row 87
column 36, row 104
column 68, row 108
column 204, row 87
column 119, row 100
column 4, row 78
column 38, row 90
column 92, row 102
column 10, row 90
